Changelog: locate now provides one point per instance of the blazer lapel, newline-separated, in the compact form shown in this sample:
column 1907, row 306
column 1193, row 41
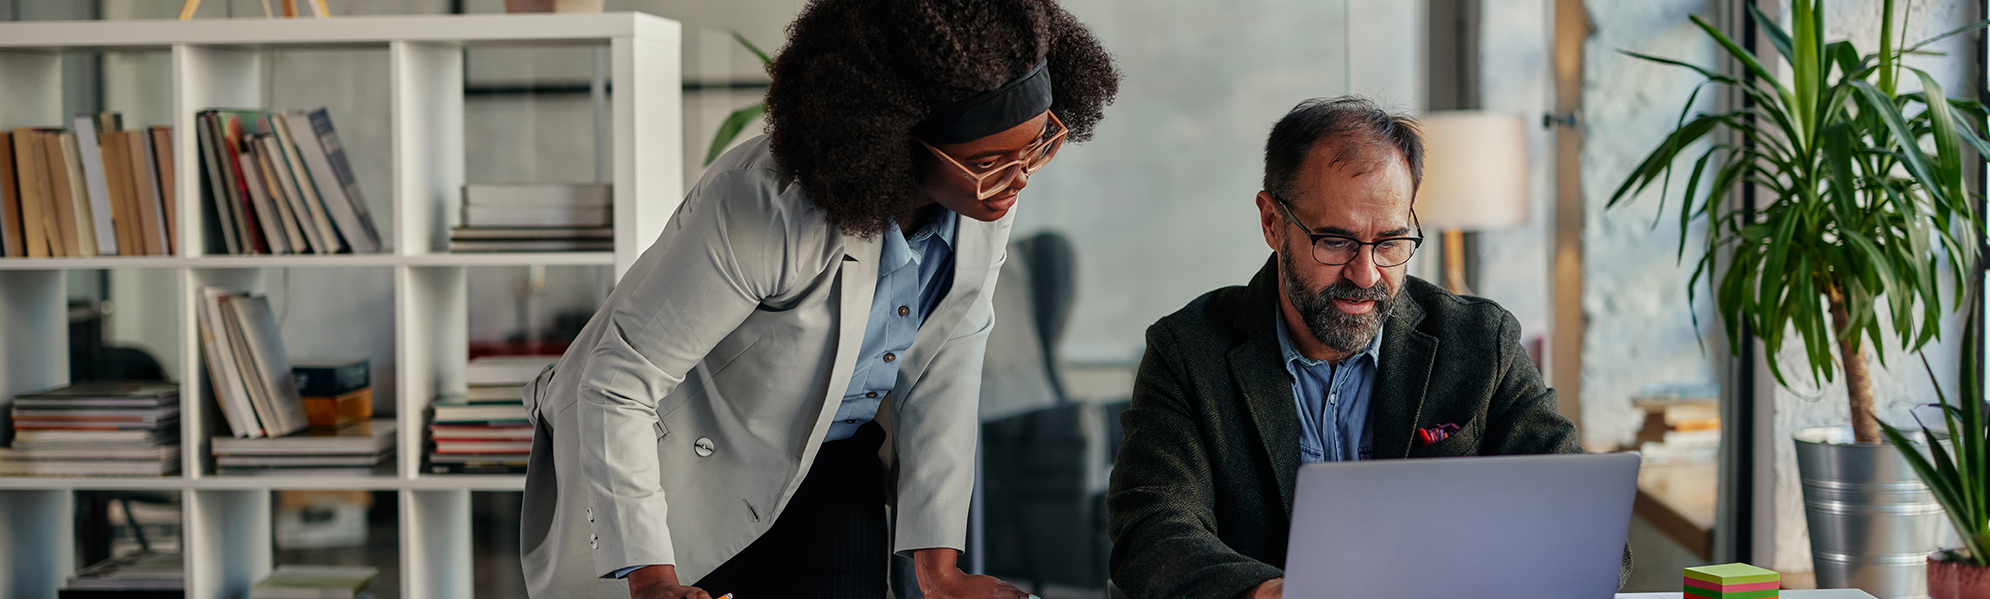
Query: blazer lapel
column 857, row 280
column 1256, row 367
column 972, row 248
column 1400, row 379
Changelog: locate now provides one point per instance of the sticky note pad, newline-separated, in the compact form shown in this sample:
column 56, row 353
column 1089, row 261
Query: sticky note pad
column 1728, row 574
column 1731, row 581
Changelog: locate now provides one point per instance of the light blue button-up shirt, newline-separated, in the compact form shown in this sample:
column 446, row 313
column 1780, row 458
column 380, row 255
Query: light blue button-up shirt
column 913, row 274
column 1332, row 399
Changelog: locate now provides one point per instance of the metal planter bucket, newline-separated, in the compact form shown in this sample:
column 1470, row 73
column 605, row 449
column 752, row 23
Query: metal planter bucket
column 1872, row 521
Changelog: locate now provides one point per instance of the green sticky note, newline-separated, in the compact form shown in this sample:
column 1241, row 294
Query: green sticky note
column 1693, row 592
column 1726, row 574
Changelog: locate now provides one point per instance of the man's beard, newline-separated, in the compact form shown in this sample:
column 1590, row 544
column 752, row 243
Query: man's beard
column 1339, row 331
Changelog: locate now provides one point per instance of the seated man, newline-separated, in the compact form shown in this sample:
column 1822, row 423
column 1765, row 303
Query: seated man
column 1331, row 353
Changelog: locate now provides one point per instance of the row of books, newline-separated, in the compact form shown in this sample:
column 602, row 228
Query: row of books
column 96, row 429
column 279, row 183
column 534, row 218
column 486, row 430
column 97, row 190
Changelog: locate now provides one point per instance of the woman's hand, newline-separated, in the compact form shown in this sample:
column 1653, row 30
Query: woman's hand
column 660, row 582
column 940, row 578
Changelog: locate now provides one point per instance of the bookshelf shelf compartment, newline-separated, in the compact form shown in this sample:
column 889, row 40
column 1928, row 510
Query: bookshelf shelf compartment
column 413, row 289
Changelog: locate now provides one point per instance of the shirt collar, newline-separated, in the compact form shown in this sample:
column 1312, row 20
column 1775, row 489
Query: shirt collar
column 900, row 249
column 1291, row 352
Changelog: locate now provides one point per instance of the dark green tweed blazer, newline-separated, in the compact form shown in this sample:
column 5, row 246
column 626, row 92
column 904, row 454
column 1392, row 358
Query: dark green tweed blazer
column 1201, row 496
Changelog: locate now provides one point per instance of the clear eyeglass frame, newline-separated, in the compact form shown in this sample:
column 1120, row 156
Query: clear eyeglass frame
column 1030, row 159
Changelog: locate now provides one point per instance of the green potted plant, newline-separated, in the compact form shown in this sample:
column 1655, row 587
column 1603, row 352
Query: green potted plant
column 1957, row 473
column 739, row 119
column 1865, row 213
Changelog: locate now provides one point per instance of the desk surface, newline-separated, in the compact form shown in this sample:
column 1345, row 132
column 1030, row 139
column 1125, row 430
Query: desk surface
column 1786, row 594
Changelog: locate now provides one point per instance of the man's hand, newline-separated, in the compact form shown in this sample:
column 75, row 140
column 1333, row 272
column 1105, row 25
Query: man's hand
column 1270, row 589
column 660, row 582
column 940, row 578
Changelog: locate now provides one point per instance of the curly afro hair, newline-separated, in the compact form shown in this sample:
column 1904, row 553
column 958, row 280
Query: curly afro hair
column 856, row 75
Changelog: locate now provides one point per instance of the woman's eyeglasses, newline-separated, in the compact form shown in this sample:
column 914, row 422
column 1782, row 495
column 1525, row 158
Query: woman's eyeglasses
column 997, row 175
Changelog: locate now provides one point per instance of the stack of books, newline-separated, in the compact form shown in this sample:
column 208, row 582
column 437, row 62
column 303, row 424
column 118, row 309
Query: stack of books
column 279, row 183
column 96, row 190
column 486, row 430
column 316, row 582
column 96, row 429
column 535, row 218
column 138, row 575
column 247, row 365
column 357, row 449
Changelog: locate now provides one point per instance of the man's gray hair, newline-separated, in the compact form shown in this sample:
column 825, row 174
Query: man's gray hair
column 1354, row 124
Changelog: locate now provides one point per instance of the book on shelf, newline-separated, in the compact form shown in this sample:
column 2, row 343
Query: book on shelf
column 338, row 410
column 473, row 413
column 291, row 581
column 247, row 365
column 537, row 205
column 94, row 190
column 506, row 370
column 163, row 434
column 135, row 571
column 358, row 449
column 547, row 233
column 436, row 466
column 499, row 393
column 160, row 467
column 480, row 432
column 279, row 182
column 532, row 245
column 360, row 438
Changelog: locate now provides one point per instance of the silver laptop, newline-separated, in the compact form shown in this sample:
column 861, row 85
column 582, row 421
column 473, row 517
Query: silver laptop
column 1537, row 526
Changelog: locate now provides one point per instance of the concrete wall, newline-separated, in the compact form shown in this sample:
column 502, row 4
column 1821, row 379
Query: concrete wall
column 1159, row 205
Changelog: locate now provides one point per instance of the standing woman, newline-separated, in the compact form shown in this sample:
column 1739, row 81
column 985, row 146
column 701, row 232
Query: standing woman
column 802, row 346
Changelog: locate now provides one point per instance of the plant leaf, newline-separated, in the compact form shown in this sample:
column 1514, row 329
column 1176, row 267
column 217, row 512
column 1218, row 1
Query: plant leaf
column 734, row 123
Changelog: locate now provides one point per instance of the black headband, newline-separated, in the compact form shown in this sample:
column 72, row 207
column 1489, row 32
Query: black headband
column 992, row 112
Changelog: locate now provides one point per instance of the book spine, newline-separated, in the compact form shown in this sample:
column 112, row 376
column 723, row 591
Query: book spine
column 96, row 185
column 217, row 215
column 293, row 234
column 162, row 157
column 10, row 200
column 321, row 123
column 228, row 131
column 61, row 197
column 146, row 199
column 272, row 225
column 124, row 221
column 327, row 184
column 287, row 141
column 34, row 191
column 79, row 194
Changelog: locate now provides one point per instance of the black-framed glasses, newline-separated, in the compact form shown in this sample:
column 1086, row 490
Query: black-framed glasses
column 1336, row 250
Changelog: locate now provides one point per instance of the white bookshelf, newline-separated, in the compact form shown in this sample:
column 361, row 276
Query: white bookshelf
column 227, row 533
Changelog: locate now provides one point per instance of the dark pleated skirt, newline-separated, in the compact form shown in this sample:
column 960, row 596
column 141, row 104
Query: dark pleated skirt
column 832, row 540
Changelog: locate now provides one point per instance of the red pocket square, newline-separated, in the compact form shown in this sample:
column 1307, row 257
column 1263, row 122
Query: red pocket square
column 1427, row 436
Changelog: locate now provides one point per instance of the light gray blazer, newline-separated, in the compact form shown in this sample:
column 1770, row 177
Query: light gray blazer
column 691, row 406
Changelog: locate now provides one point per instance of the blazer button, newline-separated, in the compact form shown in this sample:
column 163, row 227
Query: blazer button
column 704, row 447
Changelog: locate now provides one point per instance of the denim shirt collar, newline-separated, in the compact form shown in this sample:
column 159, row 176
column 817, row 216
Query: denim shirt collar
column 898, row 249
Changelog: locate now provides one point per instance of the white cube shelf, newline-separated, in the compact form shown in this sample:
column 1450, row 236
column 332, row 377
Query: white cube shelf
column 221, row 64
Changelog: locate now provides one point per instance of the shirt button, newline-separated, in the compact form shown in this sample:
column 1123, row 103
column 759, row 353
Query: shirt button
column 871, row 394
column 904, row 310
column 850, row 421
column 890, row 357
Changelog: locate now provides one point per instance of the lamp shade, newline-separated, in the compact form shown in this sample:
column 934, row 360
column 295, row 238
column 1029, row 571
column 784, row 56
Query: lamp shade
column 1474, row 171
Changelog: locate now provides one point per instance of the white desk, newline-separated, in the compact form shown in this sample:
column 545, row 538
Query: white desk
column 1786, row 594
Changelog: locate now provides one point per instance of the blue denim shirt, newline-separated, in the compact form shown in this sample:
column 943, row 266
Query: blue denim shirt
column 913, row 274
column 1332, row 399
